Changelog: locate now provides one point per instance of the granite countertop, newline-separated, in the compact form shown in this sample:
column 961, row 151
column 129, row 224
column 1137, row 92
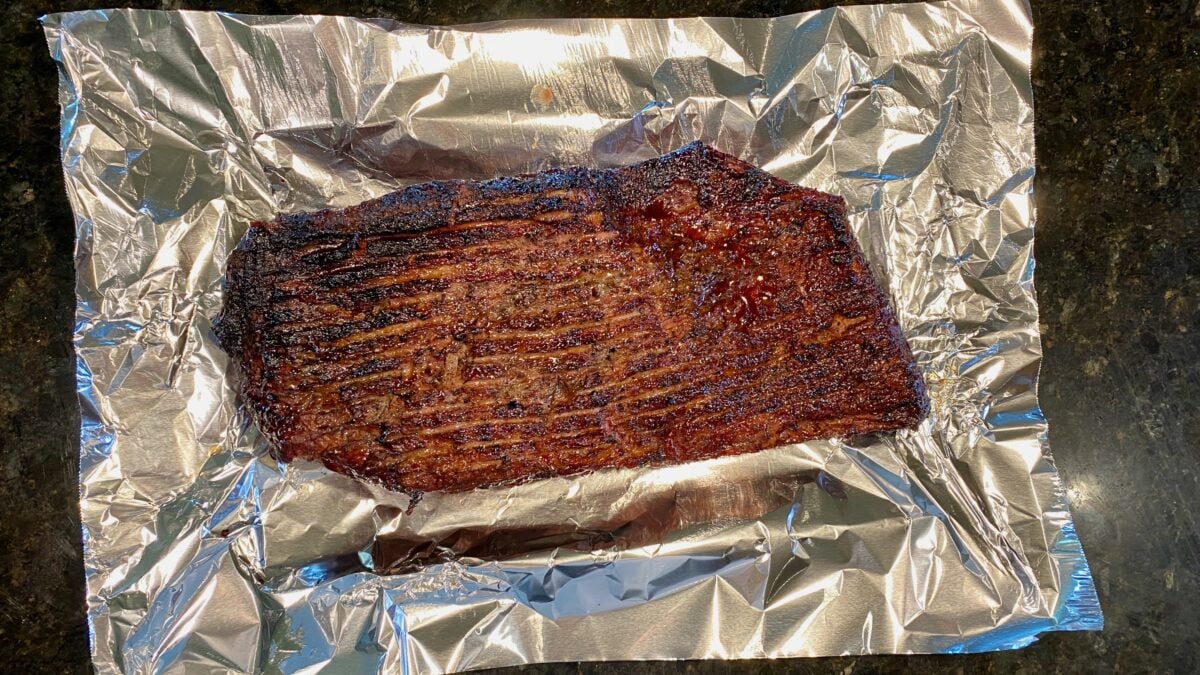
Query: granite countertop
column 1118, row 250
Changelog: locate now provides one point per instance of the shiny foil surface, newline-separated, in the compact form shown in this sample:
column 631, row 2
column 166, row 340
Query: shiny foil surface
column 203, row 553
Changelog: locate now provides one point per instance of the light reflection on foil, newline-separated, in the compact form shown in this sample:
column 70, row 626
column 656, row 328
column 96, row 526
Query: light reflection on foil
column 202, row 552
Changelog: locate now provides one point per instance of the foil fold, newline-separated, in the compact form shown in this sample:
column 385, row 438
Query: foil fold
column 202, row 552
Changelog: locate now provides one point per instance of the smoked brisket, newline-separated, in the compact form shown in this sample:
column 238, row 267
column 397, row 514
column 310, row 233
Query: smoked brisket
column 455, row 335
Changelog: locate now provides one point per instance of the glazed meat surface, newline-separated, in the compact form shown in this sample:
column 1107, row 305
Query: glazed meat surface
column 456, row 335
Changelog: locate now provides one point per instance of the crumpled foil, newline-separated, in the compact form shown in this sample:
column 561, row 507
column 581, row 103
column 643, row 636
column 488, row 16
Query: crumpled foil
column 202, row 552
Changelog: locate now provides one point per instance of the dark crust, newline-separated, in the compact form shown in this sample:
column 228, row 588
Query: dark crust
column 455, row 335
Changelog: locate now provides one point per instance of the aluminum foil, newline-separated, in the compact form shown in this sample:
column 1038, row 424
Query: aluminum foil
column 203, row 553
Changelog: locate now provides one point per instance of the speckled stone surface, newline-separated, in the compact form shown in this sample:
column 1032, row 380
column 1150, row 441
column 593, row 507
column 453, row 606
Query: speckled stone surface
column 1118, row 191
